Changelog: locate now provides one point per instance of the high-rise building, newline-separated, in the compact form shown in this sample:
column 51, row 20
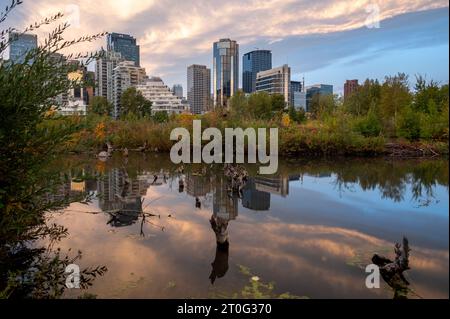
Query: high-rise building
column 177, row 90
column 225, row 70
column 161, row 97
column 350, row 87
column 125, row 75
column 317, row 89
column 296, row 86
column 275, row 81
column 104, row 74
column 299, row 101
column 126, row 45
column 298, row 95
column 20, row 45
column 198, row 88
column 252, row 63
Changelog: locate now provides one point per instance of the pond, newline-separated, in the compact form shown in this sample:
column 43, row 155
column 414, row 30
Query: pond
column 307, row 232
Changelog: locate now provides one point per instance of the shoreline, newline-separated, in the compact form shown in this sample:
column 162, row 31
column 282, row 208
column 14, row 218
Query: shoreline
column 395, row 150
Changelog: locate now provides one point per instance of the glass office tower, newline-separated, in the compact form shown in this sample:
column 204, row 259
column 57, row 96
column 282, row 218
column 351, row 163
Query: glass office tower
column 20, row 45
column 225, row 70
column 252, row 63
column 126, row 45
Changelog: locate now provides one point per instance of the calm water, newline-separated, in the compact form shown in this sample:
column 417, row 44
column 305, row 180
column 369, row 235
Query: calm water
column 307, row 232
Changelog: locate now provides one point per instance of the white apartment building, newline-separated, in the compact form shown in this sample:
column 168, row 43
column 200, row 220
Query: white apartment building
column 125, row 75
column 275, row 81
column 104, row 74
column 161, row 96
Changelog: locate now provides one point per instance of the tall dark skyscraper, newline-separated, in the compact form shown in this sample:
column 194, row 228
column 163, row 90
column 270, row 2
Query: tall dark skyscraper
column 20, row 45
column 126, row 45
column 225, row 70
column 252, row 63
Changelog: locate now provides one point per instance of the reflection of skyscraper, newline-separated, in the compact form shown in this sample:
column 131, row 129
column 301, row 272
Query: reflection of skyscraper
column 116, row 191
column 254, row 199
column 224, row 205
column 197, row 185
column 274, row 185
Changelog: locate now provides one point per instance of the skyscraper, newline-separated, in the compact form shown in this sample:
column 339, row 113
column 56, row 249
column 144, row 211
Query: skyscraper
column 275, row 81
column 20, row 45
column 177, row 90
column 126, row 45
column 225, row 70
column 198, row 88
column 104, row 74
column 125, row 75
column 298, row 95
column 252, row 63
column 350, row 87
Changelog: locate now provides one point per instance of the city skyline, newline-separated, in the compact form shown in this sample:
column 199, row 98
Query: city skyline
column 320, row 53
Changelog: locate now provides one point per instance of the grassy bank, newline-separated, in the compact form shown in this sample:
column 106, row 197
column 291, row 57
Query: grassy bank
column 313, row 138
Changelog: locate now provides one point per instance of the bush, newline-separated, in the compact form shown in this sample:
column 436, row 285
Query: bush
column 369, row 125
column 409, row 125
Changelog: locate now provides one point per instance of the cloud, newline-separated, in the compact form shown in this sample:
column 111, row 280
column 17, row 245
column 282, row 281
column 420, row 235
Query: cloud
column 173, row 33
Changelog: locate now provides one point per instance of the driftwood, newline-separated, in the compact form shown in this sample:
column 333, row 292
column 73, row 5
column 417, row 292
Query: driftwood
column 392, row 271
column 410, row 150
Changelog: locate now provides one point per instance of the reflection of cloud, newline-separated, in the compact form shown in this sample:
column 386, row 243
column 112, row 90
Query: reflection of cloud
column 312, row 257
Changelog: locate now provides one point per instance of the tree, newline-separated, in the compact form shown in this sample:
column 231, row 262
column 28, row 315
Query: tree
column 132, row 101
column 366, row 96
column 322, row 105
column 161, row 117
column 100, row 105
column 426, row 93
column 395, row 96
column 260, row 105
column 30, row 138
column 278, row 104
column 239, row 105
column 409, row 124
column 298, row 116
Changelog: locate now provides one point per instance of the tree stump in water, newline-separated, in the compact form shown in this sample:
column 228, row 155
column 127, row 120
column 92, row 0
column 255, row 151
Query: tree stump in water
column 392, row 271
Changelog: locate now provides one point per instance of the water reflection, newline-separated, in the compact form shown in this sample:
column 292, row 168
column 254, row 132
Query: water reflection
column 316, row 216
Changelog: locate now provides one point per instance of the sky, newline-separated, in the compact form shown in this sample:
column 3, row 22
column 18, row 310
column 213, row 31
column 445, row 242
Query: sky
column 324, row 41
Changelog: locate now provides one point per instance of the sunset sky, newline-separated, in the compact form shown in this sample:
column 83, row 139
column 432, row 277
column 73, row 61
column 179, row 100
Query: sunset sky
column 325, row 41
